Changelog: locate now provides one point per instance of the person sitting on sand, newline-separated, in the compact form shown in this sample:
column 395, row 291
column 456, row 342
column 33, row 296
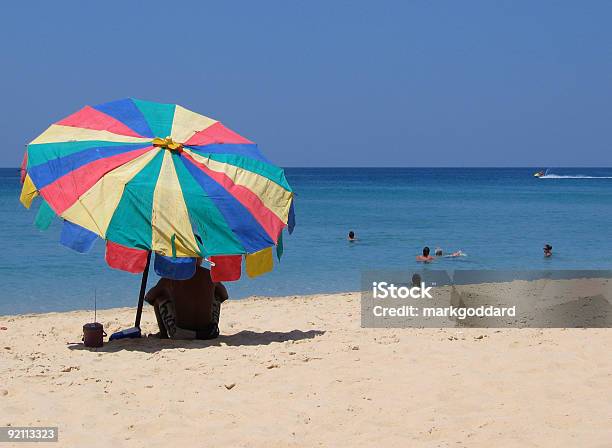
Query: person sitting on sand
column 440, row 253
column 548, row 251
column 188, row 309
column 351, row 236
column 425, row 258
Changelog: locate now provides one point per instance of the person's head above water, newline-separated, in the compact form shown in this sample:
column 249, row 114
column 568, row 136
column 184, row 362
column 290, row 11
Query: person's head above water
column 425, row 258
column 547, row 250
column 438, row 252
column 351, row 236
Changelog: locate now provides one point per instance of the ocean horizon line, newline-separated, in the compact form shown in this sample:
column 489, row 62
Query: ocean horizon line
column 601, row 167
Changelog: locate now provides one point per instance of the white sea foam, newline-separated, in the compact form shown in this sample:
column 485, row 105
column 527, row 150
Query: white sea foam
column 578, row 176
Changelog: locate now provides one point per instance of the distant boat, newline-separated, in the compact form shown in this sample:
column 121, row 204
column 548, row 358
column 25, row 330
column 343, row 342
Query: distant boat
column 541, row 173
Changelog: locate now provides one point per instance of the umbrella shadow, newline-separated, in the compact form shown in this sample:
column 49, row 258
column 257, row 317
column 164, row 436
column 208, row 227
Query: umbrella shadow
column 152, row 344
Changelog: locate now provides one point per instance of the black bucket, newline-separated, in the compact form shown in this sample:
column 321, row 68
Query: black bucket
column 93, row 334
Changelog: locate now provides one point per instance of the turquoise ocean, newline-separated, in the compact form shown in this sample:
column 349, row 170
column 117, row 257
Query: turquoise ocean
column 500, row 217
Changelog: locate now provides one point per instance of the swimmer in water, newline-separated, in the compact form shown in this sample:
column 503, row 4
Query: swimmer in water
column 548, row 251
column 440, row 253
column 425, row 258
column 351, row 236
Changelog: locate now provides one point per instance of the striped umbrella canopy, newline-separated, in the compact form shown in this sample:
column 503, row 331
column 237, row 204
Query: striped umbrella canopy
column 151, row 177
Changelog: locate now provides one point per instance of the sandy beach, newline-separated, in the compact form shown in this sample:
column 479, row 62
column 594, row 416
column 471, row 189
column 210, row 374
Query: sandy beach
column 299, row 371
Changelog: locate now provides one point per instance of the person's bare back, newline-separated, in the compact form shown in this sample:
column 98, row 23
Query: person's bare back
column 184, row 308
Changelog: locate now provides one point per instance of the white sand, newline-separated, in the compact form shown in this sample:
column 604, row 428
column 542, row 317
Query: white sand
column 306, row 374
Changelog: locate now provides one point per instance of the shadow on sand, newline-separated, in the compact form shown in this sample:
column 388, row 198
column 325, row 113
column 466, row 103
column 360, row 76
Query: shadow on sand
column 151, row 343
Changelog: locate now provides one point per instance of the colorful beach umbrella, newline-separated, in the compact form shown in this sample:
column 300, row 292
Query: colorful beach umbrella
column 151, row 177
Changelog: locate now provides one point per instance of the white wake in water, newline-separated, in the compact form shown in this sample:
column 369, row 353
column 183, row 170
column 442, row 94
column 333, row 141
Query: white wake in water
column 578, row 176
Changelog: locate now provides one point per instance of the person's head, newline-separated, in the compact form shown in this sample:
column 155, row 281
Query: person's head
column 438, row 252
column 547, row 250
column 351, row 235
column 426, row 251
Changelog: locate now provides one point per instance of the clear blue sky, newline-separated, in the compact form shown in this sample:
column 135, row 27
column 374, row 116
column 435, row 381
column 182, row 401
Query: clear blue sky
column 329, row 83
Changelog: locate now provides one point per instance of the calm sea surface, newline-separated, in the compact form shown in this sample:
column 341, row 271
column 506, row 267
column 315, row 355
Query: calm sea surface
column 500, row 217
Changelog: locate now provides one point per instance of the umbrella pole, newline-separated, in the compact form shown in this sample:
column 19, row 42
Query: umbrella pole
column 143, row 288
